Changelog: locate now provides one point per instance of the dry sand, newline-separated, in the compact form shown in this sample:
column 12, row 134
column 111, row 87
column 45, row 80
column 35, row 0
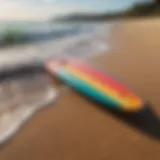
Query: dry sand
column 77, row 129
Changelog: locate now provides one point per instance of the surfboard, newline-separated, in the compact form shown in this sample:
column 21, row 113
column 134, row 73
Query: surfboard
column 97, row 85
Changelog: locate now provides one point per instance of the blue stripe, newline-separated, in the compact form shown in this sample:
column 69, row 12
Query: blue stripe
column 87, row 89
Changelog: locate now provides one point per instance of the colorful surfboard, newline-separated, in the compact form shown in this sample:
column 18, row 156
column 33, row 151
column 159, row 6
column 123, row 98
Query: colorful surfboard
column 95, row 84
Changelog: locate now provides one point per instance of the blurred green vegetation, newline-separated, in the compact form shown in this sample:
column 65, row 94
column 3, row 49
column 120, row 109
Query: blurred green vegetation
column 13, row 36
column 144, row 9
column 139, row 10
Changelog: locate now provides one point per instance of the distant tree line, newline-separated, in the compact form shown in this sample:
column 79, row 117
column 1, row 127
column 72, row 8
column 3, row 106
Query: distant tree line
column 139, row 10
column 145, row 9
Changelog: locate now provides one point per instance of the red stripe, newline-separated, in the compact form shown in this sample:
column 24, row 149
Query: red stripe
column 105, row 79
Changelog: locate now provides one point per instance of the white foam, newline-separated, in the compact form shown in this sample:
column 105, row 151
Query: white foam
column 10, row 122
column 82, row 46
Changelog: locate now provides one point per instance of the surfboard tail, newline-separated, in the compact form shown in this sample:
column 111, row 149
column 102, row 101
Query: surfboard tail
column 50, row 68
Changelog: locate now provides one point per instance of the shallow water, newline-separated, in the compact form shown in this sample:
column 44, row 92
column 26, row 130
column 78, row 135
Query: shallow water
column 22, row 96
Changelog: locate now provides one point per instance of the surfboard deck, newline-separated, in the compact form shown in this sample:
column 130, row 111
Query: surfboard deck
column 95, row 84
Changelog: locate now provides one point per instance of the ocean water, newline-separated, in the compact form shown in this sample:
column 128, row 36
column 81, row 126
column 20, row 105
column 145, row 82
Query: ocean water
column 45, row 30
column 30, row 26
column 80, row 40
column 22, row 97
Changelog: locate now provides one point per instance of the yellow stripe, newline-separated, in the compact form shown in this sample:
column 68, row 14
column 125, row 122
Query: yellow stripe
column 103, row 88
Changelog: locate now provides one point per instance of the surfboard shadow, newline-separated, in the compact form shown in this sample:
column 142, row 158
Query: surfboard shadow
column 145, row 120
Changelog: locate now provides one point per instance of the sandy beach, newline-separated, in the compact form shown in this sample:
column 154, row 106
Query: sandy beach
column 77, row 129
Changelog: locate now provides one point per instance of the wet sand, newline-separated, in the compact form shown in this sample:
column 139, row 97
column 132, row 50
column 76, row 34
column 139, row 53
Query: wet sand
column 77, row 129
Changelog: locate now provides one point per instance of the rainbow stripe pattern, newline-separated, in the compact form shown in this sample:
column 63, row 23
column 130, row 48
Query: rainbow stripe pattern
column 95, row 84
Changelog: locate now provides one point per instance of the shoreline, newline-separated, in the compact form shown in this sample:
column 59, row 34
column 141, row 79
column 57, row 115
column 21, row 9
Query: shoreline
column 16, row 78
column 78, row 129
